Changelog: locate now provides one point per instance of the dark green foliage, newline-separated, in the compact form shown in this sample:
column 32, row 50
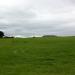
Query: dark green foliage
column 49, row 36
column 1, row 34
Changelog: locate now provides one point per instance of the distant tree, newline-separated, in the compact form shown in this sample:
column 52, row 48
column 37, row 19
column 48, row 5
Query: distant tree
column 49, row 36
column 8, row 37
column 1, row 34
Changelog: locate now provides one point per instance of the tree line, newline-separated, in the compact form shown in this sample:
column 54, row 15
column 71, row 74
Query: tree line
column 3, row 36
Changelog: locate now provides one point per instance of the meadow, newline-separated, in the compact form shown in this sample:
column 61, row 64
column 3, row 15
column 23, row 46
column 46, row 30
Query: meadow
column 37, row 56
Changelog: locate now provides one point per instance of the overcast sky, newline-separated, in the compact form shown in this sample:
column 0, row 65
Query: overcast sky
column 37, row 17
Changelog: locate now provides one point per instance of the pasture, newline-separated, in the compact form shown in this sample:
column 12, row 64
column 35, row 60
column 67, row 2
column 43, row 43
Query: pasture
column 37, row 56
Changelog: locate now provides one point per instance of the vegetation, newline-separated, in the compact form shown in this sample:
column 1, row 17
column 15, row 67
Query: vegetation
column 37, row 56
column 1, row 34
column 49, row 36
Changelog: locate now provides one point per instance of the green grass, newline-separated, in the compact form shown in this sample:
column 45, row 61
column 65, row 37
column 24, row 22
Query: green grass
column 37, row 56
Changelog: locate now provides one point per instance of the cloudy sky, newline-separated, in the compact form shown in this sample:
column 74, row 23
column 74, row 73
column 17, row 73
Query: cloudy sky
column 37, row 17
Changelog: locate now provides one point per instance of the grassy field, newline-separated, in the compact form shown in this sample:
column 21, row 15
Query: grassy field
column 37, row 56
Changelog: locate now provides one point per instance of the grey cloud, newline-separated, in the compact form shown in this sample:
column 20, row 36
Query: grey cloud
column 38, row 17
